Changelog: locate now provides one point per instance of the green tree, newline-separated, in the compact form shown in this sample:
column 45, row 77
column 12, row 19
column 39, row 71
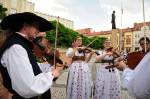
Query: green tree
column 65, row 35
column 95, row 42
column 98, row 43
column 2, row 12
column 86, row 40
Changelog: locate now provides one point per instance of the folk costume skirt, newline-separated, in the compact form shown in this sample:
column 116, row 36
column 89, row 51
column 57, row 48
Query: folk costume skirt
column 79, row 85
column 107, row 84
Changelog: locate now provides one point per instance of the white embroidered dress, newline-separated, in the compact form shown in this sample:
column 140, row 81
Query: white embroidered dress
column 79, row 79
column 107, row 84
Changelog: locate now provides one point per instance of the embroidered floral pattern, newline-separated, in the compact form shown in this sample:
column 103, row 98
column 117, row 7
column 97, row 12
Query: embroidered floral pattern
column 79, row 81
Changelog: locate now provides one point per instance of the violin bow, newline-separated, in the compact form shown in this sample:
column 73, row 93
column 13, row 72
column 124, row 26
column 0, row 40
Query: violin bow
column 57, row 24
column 91, row 43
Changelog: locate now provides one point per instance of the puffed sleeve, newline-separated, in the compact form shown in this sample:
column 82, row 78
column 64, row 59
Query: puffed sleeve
column 69, row 52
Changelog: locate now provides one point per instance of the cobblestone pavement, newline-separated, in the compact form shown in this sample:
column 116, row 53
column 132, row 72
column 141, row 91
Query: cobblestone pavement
column 58, row 90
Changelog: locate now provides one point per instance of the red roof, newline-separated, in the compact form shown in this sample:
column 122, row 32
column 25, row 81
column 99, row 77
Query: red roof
column 88, row 32
column 127, row 30
column 84, row 31
column 137, row 26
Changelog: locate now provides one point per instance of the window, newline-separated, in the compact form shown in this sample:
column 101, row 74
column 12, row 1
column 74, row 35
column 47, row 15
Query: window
column 136, row 42
column 128, row 39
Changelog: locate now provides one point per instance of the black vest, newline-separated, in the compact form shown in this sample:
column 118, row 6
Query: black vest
column 18, row 39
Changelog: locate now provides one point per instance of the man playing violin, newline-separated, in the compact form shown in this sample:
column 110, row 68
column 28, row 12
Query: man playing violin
column 133, row 58
column 137, row 81
column 142, row 44
column 20, row 71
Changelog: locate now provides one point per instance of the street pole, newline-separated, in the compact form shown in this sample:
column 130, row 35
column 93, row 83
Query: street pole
column 121, row 34
column 56, row 36
column 143, row 10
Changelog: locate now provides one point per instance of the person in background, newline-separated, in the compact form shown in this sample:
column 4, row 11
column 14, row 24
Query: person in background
column 142, row 43
column 20, row 71
column 137, row 81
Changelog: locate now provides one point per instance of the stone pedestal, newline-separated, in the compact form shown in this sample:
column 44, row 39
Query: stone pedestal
column 114, row 38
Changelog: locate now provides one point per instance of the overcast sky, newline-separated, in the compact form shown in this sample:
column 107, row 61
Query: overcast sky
column 95, row 14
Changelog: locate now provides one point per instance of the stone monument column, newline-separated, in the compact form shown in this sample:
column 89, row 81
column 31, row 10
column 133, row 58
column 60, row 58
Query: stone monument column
column 114, row 32
column 115, row 39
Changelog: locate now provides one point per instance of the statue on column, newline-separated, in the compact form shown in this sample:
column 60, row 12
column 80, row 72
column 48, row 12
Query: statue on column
column 113, row 20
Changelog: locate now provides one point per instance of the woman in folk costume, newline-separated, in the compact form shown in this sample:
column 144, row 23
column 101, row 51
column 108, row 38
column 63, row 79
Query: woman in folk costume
column 107, row 84
column 79, row 79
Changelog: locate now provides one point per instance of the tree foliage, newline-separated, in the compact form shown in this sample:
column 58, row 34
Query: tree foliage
column 94, row 42
column 98, row 42
column 2, row 12
column 66, row 36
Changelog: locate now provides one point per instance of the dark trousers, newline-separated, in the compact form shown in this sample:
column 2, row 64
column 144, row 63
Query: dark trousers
column 19, row 97
column 46, row 95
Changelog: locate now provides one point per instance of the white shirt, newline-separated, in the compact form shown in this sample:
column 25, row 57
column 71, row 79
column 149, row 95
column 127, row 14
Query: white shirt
column 107, row 57
column 45, row 67
column 137, row 81
column 23, row 80
column 70, row 53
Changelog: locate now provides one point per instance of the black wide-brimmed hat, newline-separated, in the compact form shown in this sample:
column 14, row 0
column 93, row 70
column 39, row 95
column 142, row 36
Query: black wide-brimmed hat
column 15, row 21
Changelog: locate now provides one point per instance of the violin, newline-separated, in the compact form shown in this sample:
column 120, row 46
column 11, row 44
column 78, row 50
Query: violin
column 84, row 49
column 134, row 58
column 42, row 52
column 109, row 49
column 50, row 57
column 115, row 55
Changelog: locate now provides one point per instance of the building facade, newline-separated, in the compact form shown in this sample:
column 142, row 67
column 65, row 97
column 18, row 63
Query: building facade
column 65, row 22
column 128, row 41
column 17, row 6
column 106, row 34
column 139, row 31
column 130, row 36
